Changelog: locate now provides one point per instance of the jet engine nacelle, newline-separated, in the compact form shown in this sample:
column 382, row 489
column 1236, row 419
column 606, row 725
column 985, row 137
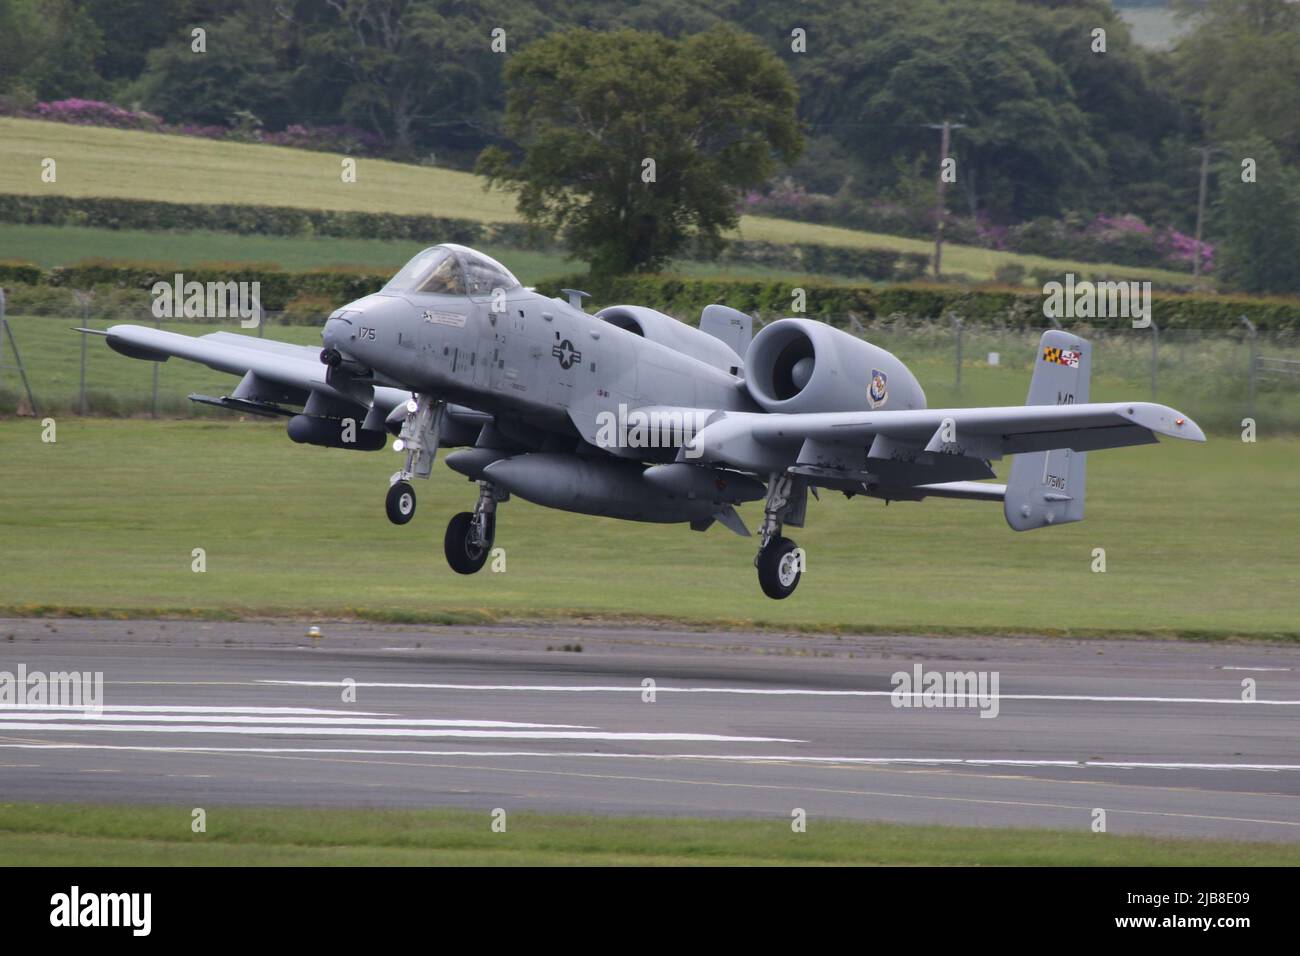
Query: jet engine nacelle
column 799, row 365
column 673, row 334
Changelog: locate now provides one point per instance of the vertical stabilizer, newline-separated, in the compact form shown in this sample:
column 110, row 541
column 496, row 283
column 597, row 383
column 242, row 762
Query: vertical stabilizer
column 1047, row 487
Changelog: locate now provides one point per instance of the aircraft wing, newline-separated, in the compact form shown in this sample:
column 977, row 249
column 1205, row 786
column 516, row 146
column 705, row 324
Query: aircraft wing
column 274, row 372
column 927, row 440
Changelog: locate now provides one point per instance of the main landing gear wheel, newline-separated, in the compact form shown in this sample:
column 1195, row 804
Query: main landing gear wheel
column 400, row 503
column 467, row 549
column 779, row 568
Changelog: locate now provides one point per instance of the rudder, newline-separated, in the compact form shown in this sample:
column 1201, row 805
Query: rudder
column 1047, row 487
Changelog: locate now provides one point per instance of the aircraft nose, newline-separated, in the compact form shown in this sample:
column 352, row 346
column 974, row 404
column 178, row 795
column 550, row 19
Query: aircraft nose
column 338, row 333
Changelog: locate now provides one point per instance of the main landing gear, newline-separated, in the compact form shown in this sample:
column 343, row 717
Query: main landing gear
column 470, row 534
column 780, row 562
column 468, row 541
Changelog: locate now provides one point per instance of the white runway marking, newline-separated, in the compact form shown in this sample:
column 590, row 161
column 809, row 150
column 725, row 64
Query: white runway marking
column 792, row 692
column 747, row 758
column 296, row 721
column 336, row 731
column 1228, row 668
column 196, row 709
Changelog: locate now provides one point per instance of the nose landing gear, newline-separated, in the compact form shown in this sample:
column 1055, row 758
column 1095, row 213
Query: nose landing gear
column 419, row 439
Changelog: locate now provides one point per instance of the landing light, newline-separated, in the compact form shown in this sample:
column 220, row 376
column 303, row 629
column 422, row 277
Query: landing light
column 399, row 445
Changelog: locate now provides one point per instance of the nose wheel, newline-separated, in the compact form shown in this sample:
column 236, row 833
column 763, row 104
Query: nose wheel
column 400, row 503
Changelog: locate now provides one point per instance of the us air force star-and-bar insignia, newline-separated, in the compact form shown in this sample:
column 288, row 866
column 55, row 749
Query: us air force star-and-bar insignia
column 566, row 353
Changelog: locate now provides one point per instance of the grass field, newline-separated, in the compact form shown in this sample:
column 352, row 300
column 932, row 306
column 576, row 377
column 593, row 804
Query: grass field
column 127, row 164
column 49, row 246
column 71, row 835
column 1199, row 540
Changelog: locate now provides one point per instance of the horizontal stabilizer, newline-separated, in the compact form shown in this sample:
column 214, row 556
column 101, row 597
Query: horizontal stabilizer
column 971, row 490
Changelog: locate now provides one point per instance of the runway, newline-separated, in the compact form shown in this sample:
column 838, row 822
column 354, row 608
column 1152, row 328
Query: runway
column 646, row 721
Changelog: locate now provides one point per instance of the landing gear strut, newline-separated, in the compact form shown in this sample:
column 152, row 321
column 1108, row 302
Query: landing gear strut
column 780, row 562
column 470, row 535
column 419, row 439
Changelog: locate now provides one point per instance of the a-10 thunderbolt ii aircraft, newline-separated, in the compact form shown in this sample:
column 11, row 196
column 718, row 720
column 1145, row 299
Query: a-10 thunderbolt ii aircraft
column 629, row 413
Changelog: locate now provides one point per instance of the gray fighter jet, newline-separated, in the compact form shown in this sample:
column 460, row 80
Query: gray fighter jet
column 629, row 413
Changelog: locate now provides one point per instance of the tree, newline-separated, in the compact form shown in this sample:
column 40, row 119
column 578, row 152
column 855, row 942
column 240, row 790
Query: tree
column 1242, row 66
column 1257, row 224
column 1050, row 125
column 633, row 144
column 48, row 47
column 131, row 28
column 235, row 76
column 416, row 68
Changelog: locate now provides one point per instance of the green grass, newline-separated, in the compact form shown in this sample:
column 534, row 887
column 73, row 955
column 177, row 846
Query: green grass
column 50, row 246
column 135, row 165
column 75, row 835
column 132, row 165
column 976, row 264
column 1200, row 542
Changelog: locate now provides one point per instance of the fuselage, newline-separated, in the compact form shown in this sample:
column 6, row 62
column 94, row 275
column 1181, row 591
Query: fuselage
column 506, row 350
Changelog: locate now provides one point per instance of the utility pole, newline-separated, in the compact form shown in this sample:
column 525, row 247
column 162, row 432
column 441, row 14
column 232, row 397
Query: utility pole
column 940, row 214
column 1205, row 152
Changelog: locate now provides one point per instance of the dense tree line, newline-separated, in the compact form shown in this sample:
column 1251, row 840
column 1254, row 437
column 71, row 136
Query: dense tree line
column 1049, row 124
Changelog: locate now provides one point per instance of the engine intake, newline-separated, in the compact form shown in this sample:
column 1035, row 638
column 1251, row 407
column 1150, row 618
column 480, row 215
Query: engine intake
column 798, row 365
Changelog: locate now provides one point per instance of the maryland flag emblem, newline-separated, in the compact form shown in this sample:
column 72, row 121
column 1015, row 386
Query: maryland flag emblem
column 1060, row 356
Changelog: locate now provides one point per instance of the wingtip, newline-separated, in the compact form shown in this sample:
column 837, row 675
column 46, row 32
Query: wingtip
column 1163, row 420
column 1186, row 429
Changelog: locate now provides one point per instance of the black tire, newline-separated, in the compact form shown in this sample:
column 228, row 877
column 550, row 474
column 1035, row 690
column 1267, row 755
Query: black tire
column 464, row 553
column 400, row 503
column 778, row 571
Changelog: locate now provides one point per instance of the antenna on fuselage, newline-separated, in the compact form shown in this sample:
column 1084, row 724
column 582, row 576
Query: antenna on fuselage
column 575, row 297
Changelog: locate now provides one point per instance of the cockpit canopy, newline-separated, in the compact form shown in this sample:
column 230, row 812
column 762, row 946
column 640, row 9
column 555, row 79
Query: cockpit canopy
column 450, row 269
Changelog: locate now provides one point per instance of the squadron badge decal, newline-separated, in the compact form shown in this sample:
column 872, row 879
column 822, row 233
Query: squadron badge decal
column 878, row 390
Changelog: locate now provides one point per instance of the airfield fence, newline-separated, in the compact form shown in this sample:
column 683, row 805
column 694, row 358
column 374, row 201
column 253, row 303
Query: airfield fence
column 1219, row 378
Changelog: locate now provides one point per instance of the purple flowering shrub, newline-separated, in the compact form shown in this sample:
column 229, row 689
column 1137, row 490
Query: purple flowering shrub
column 333, row 139
column 94, row 113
